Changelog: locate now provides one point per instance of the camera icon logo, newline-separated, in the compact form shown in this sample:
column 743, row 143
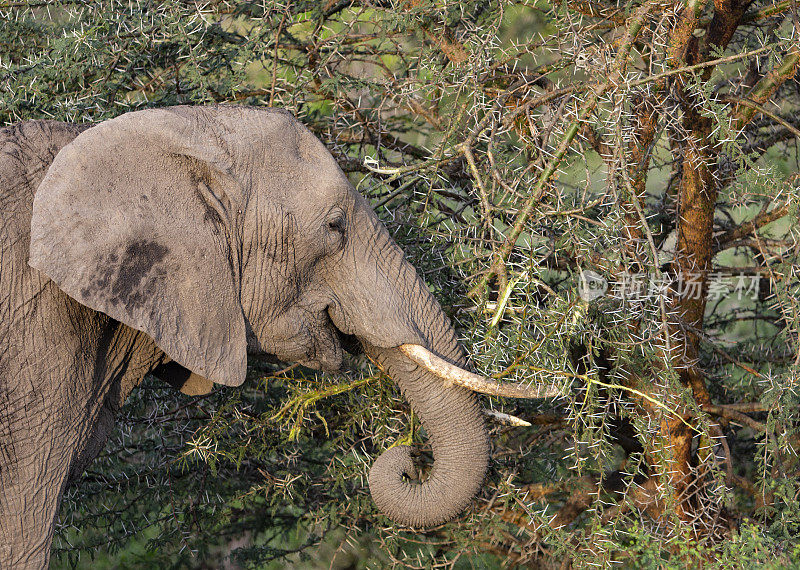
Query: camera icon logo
column 592, row 285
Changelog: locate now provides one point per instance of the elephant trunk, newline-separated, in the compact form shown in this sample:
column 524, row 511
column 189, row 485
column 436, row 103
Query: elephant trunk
column 386, row 305
column 454, row 423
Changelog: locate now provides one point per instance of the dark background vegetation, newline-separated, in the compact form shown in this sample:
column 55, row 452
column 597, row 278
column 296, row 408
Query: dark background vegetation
column 509, row 146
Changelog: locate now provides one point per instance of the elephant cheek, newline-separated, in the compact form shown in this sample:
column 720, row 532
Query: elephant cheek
column 326, row 354
column 310, row 342
column 325, row 347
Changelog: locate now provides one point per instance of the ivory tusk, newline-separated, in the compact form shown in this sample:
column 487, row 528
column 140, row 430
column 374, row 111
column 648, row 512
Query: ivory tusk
column 506, row 419
column 475, row 382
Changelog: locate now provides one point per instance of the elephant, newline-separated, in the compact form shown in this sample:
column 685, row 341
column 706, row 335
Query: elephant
column 177, row 241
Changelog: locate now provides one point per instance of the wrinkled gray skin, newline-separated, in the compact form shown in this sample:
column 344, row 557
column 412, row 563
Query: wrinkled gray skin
column 183, row 239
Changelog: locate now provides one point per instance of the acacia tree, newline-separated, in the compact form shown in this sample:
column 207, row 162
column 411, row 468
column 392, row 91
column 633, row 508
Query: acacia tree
column 602, row 195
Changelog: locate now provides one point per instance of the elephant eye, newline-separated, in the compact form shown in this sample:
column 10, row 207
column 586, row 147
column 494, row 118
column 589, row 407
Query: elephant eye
column 336, row 223
column 335, row 226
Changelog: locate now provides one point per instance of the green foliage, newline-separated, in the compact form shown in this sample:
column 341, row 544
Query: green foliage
column 447, row 116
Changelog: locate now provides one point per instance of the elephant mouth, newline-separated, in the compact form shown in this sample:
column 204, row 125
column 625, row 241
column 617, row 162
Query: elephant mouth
column 316, row 341
column 323, row 347
column 307, row 337
column 328, row 351
column 342, row 342
column 345, row 336
column 350, row 343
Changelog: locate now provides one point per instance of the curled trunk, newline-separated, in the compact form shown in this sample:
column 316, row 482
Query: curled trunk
column 455, row 426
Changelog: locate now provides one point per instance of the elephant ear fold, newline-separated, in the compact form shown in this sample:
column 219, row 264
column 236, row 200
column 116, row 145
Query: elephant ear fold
column 136, row 219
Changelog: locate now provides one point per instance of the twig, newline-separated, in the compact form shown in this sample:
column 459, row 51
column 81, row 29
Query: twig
column 752, row 104
column 583, row 113
column 733, row 415
column 275, row 60
column 710, row 63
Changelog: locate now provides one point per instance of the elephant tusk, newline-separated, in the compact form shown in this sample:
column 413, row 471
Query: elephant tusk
column 475, row 382
column 506, row 419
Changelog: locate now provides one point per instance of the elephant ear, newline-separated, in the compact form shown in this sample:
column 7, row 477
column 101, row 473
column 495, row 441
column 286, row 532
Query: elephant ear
column 136, row 219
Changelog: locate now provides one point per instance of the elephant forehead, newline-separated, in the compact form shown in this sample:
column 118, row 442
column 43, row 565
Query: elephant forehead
column 312, row 190
column 284, row 144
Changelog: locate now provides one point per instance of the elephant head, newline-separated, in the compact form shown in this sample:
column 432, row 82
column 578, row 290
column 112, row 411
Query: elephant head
column 227, row 231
